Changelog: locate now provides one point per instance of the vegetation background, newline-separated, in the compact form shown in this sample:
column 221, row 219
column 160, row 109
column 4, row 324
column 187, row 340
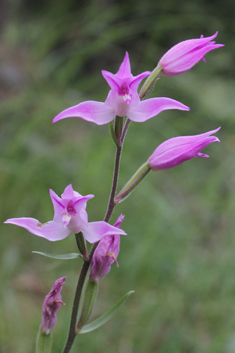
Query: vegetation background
column 179, row 252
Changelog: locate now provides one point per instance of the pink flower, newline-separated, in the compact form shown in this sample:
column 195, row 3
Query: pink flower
column 69, row 216
column 123, row 100
column 177, row 150
column 105, row 254
column 186, row 54
column 51, row 304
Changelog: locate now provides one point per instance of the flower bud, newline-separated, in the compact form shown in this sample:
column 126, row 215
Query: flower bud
column 105, row 254
column 184, row 55
column 51, row 304
column 177, row 150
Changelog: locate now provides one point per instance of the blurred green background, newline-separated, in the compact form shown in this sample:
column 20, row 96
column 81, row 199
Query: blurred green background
column 179, row 252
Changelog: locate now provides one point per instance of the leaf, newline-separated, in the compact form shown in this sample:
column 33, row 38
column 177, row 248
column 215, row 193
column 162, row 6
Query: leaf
column 58, row 256
column 106, row 317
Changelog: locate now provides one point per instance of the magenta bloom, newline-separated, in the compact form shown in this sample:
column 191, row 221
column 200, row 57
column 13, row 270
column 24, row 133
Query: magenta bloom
column 105, row 254
column 51, row 304
column 123, row 100
column 186, row 54
column 177, row 150
column 69, row 216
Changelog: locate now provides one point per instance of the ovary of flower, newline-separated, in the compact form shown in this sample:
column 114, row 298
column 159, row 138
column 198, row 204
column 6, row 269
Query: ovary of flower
column 122, row 100
column 69, row 216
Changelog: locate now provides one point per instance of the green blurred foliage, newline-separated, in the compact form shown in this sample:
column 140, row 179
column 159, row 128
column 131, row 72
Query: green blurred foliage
column 179, row 252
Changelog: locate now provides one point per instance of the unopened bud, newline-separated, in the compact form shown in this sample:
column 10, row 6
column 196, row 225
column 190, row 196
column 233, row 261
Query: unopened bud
column 51, row 304
column 105, row 254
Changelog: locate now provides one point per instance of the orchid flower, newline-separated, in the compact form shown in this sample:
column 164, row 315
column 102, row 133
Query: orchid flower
column 105, row 254
column 122, row 100
column 177, row 150
column 51, row 304
column 69, row 216
column 186, row 54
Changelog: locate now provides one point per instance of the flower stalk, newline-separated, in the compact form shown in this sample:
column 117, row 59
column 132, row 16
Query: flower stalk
column 139, row 175
column 150, row 82
column 81, row 244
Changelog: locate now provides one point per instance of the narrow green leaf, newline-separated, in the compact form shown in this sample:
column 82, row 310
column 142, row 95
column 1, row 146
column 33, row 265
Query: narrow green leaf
column 58, row 256
column 106, row 317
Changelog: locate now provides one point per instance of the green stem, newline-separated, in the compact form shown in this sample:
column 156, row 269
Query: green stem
column 111, row 203
column 77, row 297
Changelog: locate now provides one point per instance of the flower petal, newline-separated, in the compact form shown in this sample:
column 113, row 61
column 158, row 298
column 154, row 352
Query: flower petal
column 58, row 204
column 151, row 107
column 184, row 140
column 125, row 67
column 113, row 81
column 95, row 112
column 51, row 230
column 94, row 231
column 134, row 84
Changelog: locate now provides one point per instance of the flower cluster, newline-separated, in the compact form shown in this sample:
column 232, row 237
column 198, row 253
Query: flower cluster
column 123, row 100
column 123, row 104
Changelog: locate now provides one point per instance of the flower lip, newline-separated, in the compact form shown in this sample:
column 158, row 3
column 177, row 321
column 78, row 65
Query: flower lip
column 70, row 208
column 124, row 89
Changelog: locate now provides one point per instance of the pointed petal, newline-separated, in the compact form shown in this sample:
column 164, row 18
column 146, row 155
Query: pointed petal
column 151, row 107
column 78, row 204
column 51, row 230
column 113, row 81
column 94, row 231
column 202, row 155
column 184, row 140
column 58, row 204
column 125, row 68
column 68, row 192
column 95, row 112
column 134, row 84
column 119, row 221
